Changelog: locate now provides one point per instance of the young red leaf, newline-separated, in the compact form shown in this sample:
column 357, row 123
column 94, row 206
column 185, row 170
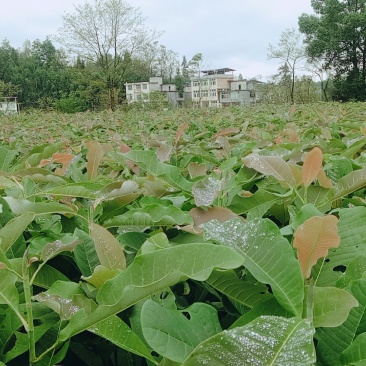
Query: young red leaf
column 312, row 165
column 313, row 239
column 93, row 157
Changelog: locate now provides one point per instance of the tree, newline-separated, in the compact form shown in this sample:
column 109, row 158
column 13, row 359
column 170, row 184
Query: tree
column 109, row 33
column 290, row 51
column 336, row 33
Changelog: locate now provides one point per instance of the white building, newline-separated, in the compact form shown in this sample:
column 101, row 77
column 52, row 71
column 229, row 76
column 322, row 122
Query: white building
column 219, row 87
column 137, row 92
column 9, row 105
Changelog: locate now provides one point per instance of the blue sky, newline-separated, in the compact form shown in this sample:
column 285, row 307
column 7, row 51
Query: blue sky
column 230, row 33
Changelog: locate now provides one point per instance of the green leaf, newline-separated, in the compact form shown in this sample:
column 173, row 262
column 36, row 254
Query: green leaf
column 13, row 229
column 119, row 333
column 331, row 306
column 243, row 291
column 6, row 158
column 148, row 161
column 151, row 215
column 47, row 276
column 268, row 340
column 152, row 272
column 268, row 307
column 54, row 248
column 352, row 232
column 85, row 254
column 20, row 206
column 8, row 292
column 33, row 158
column 267, row 254
column 355, row 270
column 273, row 166
column 256, row 205
column 6, row 183
column 171, row 334
column 355, row 354
column 332, row 342
column 306, row 212
column 350, row 183
column 109, row 250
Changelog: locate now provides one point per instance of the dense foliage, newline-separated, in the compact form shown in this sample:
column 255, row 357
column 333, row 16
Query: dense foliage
column 336, row 35
column 226, row 237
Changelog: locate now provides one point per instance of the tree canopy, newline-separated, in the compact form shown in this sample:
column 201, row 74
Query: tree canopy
column 336, row 34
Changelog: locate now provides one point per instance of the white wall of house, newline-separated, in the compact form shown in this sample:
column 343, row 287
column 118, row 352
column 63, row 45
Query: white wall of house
column 8, row 106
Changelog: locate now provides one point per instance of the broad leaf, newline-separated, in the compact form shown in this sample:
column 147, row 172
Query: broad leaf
column 19, row 206
column 242, row 291
column 206, row 191
column 6, row 158
column 350, row 183
column 256, row 205
column 355, row 354
column 148, row 161
column 271, row 165
column 313, row 239
column 152, row 272
column 268, row 340
column 332, row 342
column 67, row 299
column 93, row 157
column 267, row 254
column 109, row 250
column 352, row 232
column 312, row 165
column 85, row 254
column 331, row 306
column 151, row 215
column 162, row 327
column 13, row 229
column 8, row 292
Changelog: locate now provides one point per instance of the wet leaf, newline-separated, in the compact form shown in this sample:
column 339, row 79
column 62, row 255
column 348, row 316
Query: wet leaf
column 206, row 191
column 266, row 254
column 273, row 166
column 268, row 340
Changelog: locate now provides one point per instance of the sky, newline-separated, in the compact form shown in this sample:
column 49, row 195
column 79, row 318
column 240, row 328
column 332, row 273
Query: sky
column 229, row 33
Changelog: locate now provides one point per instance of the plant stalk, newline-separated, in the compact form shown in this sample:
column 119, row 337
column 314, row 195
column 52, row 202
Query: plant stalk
column 29, row 310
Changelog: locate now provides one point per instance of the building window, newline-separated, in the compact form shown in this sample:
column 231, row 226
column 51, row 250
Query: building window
column 196, row 94
column 205, row 93
column 213, row 82
column 252, row 93
column 213, row 93
column 144, row 86
column 129, row 96
column 129, row 87
column 224, row 95
column 138, row 86
column 195, row 83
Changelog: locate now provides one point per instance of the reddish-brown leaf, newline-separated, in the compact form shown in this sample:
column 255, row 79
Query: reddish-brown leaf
column 180, row 130
column 312, row 165
column 64, row 159
column 323, row 180
column 312, row 240
column 93, row 158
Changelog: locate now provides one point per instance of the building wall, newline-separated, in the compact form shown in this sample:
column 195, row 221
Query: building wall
column 8, row 106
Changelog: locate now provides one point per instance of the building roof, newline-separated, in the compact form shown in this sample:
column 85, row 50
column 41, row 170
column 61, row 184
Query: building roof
column 217, row 71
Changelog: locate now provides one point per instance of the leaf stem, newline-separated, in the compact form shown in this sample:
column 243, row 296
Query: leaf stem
column 29, row 310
